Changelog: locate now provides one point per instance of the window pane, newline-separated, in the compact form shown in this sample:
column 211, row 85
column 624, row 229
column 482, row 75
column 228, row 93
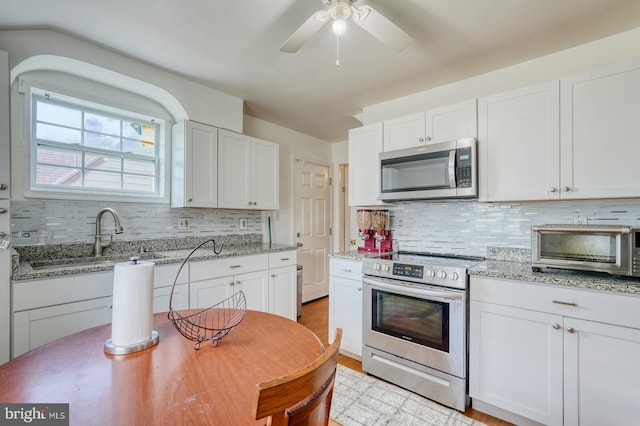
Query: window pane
column 57, row 134
column 102, row 180
column 139, row 183
column 62, row 176
column 139, row 147
column 102, row 162
column 102, row 141
column 53, row 113
column 132, row 165
column 61, row 157
column 102, row 124
column 139, row 131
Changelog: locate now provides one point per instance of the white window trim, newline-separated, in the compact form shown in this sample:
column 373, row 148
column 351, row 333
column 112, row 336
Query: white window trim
column 26, row 84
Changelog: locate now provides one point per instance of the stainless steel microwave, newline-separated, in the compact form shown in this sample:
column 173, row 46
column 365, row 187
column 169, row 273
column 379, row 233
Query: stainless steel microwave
column 442, row 170
column 614, row 249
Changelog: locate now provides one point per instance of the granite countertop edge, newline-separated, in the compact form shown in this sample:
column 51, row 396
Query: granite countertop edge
column 23, row 271
column 522, row 272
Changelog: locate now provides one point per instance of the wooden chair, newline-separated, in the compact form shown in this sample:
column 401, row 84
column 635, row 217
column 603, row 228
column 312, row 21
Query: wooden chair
column 302, row 397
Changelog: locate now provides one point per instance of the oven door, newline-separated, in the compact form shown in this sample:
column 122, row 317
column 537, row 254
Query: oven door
column 421, row 323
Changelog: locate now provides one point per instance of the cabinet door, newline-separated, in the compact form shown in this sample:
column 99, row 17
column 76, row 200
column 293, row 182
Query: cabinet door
column 206, row 293
column 283, row 292
column 234, row 170
column 36, row 327
column 515, row 361
column 255, row 286
column 601, row 374
column 404, row 132
column 194, row 165
column 519, row 144
column 451, row 122
column 162, row 295
column 345, row 311
column 265, row 176
column 600, row 128
column 365, row 145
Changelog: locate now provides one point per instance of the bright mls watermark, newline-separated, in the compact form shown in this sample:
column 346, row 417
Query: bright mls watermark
column 34, row 414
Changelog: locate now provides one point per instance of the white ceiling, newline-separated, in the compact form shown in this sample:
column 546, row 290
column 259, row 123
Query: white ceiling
column 232, row 46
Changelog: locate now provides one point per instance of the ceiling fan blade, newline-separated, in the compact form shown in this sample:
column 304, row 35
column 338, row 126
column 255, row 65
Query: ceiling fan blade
column 305, row 32
column 381, row 28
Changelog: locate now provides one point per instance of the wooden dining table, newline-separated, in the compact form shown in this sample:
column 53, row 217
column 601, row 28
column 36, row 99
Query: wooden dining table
column 170, row 383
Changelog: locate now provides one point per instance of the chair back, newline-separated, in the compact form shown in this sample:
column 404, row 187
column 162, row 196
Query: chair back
column 303, row 397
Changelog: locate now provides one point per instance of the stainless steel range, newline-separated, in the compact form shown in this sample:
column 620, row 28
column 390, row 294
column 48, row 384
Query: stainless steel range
column 415, row 324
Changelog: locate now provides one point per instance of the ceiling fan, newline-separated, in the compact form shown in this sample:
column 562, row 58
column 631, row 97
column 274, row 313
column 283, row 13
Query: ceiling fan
column 362, row 14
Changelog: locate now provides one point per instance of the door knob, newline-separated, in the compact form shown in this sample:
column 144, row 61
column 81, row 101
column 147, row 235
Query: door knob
column 298, row 235
column 299, row 244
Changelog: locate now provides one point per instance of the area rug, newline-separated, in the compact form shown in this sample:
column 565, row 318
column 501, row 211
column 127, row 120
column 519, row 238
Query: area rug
column 361, row 400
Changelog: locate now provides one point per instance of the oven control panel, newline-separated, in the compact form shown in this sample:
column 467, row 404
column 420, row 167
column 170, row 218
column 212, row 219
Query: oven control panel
column 407, row 270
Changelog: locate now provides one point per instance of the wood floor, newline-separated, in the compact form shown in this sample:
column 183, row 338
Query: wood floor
column 315, row 316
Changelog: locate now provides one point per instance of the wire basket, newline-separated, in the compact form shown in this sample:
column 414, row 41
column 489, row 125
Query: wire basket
column 212, row 323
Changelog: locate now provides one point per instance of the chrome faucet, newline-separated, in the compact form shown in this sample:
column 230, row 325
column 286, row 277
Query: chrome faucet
column 99, row 245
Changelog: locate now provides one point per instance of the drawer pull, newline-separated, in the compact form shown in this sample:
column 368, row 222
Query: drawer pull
column 560, row 302
column 235, row 266
column 284, row 259
column 346, row 270
column 556, row 326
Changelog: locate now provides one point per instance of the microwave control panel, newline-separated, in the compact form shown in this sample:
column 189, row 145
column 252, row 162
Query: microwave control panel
column 464, row 168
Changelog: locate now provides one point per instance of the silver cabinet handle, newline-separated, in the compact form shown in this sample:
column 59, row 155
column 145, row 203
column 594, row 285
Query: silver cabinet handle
column 359, row 288
column 553, row 189
column 560, row 302
column 566, row 189
column 346, row 270
column 190, row 199
column 273, row 275
column 571, row 330
column 238, row 282
column 235, row 266
column 420, row 139
column 3, row 211
column 556, row 326
column 3, row 186
column 284, row 259
column 428, row 138
column 231, row 283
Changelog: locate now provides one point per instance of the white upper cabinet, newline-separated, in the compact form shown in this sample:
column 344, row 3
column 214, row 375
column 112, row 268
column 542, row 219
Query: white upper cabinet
column 194, row 172
column 247, row 172
column 600, row 124
column 365, row 145
column 4, row 126
column 519, row 140
column 436, row 125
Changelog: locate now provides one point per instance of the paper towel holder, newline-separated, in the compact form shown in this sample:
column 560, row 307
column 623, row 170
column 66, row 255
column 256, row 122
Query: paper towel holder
column 113, row 349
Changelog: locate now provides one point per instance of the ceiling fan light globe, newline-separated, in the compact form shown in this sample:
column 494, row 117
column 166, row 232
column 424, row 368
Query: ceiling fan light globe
column 339, row 27
column 340, row 10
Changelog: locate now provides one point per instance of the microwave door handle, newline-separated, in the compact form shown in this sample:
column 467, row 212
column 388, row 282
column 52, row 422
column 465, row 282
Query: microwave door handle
column 452, row 168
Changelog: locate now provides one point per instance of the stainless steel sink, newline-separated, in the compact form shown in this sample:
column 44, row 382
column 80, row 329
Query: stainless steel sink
column 80, row 261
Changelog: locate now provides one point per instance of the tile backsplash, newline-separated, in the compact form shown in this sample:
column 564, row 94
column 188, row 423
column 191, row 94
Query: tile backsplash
column 469, row 227
column 54, row 221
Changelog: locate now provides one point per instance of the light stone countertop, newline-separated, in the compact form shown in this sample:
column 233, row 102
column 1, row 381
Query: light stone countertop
column 521, row 271
column 24, row 270
column 355, row 255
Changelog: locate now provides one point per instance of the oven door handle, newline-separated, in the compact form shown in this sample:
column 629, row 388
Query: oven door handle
column 437, row 295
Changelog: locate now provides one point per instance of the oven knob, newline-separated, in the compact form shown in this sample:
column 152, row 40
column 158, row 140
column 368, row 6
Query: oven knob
column 385, row 268
column 453, row 276
column 442, row 274
column 376, row 266
column 431, row 273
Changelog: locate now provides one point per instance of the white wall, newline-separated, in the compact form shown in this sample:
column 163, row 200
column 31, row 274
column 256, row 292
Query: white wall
column 598, row 54
column 292, row 144
column 201, row 103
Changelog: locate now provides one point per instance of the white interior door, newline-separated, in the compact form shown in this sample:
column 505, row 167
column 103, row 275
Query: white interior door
column 312, row 226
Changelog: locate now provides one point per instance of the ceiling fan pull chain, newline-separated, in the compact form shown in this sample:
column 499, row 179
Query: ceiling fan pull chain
column 337, row 51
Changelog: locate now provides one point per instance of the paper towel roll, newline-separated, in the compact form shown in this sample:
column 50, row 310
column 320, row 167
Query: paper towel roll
column 132, row 316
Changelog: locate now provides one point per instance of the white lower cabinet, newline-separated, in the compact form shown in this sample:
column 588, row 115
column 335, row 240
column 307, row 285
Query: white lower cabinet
column 543, row 354
column 35, row 327
column 164, row 275
column 345, row 304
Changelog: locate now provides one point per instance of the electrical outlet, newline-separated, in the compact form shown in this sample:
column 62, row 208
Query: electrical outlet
column 244, row 223
column 184, row 223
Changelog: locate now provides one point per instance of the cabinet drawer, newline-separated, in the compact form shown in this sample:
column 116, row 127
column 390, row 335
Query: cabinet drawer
column 350, row 269
column 283, row 258
column 227, row 266
column 611, row 308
